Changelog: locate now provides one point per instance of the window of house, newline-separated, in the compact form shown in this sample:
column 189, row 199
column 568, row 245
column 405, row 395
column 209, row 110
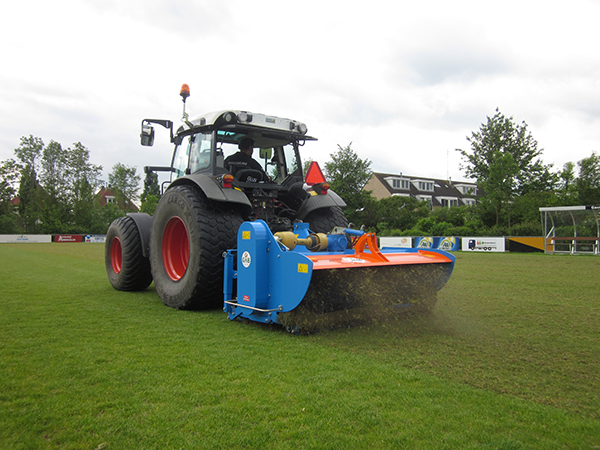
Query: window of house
column 425, row 186
column 469, row 190
column 110, row 199
column 448, row 202
column 426, row 198
column 399, row 184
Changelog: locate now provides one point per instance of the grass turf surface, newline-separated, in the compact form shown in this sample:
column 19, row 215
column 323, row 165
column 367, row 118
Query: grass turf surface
column 509, row 359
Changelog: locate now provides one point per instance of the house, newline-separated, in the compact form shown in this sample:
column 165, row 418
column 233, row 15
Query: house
column 108, row 195
column 439, row 193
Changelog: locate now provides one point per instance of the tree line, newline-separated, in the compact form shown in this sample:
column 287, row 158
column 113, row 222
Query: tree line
column 48, row 189
column 57, row 189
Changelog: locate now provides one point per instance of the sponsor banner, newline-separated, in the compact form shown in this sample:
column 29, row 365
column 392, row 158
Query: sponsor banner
column 483, row 244
column 395, row 241
column 67, row 238
column 423, row 242
column 95, row 238
column 446, row 243
column 25, row 238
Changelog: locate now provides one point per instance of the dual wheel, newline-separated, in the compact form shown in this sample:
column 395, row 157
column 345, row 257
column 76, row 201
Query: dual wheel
column 189, row 236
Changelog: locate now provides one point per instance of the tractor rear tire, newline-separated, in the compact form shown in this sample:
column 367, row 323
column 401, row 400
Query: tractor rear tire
column 126, row 266
column 324, row 220
column 189, row 235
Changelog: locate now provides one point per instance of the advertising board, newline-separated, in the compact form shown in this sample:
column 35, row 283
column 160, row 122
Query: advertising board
column 483, row 244
column 447, row 243
column 395, row 241
column 95, row 238
column 67, row 238
column 25, row 238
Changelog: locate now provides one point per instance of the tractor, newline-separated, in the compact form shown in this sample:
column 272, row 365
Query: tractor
column 262, row 240
column 197, row 218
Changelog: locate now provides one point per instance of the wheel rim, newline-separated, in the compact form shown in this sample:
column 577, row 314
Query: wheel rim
column 176, row 248
column 116, row 255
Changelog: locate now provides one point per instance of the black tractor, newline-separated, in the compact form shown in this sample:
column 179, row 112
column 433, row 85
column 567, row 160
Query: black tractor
column 212, row 190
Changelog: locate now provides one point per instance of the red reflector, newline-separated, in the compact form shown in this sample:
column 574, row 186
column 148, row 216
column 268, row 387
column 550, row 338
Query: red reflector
column 314, row 174
column 227, row 180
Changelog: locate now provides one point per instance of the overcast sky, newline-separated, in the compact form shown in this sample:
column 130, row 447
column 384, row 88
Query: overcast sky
column 405, row 81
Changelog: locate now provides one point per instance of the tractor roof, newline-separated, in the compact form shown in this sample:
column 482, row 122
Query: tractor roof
column 249, row 121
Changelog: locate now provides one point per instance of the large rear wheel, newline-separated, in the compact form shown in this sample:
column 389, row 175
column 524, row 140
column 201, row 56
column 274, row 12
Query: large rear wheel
column 126, row 266
column 189, row 235
column 324, row 220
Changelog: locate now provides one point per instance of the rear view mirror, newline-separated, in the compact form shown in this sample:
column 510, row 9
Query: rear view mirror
column 266, row 153
column 147, row 136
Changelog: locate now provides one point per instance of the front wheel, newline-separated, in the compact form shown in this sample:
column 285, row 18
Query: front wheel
column 126, row 266
column 189, row 235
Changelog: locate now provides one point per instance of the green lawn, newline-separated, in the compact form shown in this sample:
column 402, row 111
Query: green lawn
column 510, row 359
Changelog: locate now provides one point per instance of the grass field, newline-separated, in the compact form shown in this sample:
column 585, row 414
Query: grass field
column 510, row 359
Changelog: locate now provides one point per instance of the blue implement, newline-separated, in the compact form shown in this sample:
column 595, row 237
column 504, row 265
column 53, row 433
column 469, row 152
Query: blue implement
column 270, row 280
column 276, row 279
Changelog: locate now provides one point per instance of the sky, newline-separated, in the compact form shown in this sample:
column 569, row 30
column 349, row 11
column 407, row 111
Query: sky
column 404, row 82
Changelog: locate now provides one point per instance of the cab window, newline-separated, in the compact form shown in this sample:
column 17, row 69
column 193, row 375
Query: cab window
column 200, row 151
column 181, row 158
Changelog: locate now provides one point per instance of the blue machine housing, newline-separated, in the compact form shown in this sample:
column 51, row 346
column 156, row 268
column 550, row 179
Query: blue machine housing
column 270, row 279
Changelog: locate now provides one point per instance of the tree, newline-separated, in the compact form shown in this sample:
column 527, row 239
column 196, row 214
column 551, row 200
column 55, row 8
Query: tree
column 566, row 186
column 400, row 213
column 52, row 176
column 29, row 199
column 55, row 213
column 126, row 181
column 588, row 182
column 28, row 153
column 84, row 179
column 83, row 176
column 150, row 194
column 9, row 177
column 347, row 174
column 505, row 161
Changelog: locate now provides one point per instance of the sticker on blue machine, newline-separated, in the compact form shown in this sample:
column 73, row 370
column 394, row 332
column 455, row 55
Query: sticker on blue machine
column 246, row 259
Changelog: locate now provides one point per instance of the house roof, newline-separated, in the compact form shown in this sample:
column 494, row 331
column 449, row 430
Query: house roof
column 123, row 202
column 441, row 188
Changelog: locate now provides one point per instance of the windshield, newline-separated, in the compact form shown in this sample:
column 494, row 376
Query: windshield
column 276, row 157
column 278, row 160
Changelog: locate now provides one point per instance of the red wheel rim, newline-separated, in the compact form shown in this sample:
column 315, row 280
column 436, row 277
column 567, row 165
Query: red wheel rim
column 175, row 248
column 116, row 255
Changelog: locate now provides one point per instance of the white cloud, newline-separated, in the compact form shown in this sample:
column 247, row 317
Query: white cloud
column 405, row 82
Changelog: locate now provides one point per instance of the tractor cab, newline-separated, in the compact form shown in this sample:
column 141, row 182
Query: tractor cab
column 270, row 185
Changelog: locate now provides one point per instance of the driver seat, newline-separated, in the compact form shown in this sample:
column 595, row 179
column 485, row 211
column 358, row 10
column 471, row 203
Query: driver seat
column 249, row 176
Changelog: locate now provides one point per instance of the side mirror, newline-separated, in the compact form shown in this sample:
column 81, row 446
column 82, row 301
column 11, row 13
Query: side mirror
column 147, row 136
